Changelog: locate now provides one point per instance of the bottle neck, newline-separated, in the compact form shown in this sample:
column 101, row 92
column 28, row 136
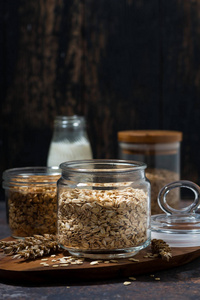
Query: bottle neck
column 69, row 128
column 69, row 122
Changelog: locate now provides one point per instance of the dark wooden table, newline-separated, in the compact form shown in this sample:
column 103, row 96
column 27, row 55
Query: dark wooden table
column 177, row 283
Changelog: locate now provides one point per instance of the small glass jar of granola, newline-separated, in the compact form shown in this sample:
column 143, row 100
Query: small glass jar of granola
column 31, row 200
column 103, row 208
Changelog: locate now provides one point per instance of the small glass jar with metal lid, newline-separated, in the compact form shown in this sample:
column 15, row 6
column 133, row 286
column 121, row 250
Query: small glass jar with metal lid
column 103, row 208
column 31, row 200
column 160, row 150
column 70, row 140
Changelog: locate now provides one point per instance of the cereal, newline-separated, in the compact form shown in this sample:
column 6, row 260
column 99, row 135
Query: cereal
column 98, row 219
column 158, row 179
column 45, row 265
column 127, row 282
column 133, row 259
column 94, row 262
column 32, row 209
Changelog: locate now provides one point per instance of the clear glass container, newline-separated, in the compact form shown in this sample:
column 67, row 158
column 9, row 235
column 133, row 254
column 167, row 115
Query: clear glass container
column 160, row 151
column 177, row 227
column 31, row 200
column 103, row 208
column 70, row 140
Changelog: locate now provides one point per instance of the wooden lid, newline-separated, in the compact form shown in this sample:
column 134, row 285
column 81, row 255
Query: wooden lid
column 149, row 136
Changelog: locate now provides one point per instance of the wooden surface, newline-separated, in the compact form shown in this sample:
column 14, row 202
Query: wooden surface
column 122, row 64
column 18, row 271
column 176, row 283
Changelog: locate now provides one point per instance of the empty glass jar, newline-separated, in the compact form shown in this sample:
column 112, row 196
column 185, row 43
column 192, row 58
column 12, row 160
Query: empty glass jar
column 103, row 208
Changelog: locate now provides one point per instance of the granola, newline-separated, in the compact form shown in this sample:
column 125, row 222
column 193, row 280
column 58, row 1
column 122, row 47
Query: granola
column 32, row 208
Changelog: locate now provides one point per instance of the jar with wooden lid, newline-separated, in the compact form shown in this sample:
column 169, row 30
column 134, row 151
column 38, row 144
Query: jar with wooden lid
column 160, row 150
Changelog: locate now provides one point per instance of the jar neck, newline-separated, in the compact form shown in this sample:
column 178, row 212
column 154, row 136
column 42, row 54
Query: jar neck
column 105, row 171
column 30, row 176
column 98, row 179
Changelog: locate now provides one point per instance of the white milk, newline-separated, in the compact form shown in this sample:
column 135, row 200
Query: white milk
column 64, row 151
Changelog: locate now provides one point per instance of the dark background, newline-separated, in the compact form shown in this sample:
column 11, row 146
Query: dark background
column 123, row 64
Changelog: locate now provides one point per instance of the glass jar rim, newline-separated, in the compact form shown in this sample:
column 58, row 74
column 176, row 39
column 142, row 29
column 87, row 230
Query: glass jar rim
column 74, row 121
column 22, row 176
column 102, row 166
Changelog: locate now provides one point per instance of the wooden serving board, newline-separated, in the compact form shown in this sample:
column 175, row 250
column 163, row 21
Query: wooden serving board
column 32, row 272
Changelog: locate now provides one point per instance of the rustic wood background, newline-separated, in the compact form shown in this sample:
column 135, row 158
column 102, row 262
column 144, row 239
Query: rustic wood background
column 128, row 64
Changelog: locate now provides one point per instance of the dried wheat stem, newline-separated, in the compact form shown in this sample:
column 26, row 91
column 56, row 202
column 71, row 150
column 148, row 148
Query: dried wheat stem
column 31, row 247
column 161, row 248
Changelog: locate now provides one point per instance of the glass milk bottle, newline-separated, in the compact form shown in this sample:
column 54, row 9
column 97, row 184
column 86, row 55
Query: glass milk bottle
column 70, row 140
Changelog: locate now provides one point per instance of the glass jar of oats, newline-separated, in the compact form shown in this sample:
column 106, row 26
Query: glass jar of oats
column 103, row 208
column 160, row 150
column 31, row 200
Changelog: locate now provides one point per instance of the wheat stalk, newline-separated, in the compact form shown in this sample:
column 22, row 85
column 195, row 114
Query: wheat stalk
column 31, row 247
column 161, row 248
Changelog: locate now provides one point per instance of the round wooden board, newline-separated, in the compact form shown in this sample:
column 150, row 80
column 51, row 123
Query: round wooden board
column 32, row 272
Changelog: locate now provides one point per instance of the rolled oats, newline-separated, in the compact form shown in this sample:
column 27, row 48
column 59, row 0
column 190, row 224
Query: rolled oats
column 133, row 259
column 94, row 262
column 98, row 219
column 45, row 265
column 127, row 282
